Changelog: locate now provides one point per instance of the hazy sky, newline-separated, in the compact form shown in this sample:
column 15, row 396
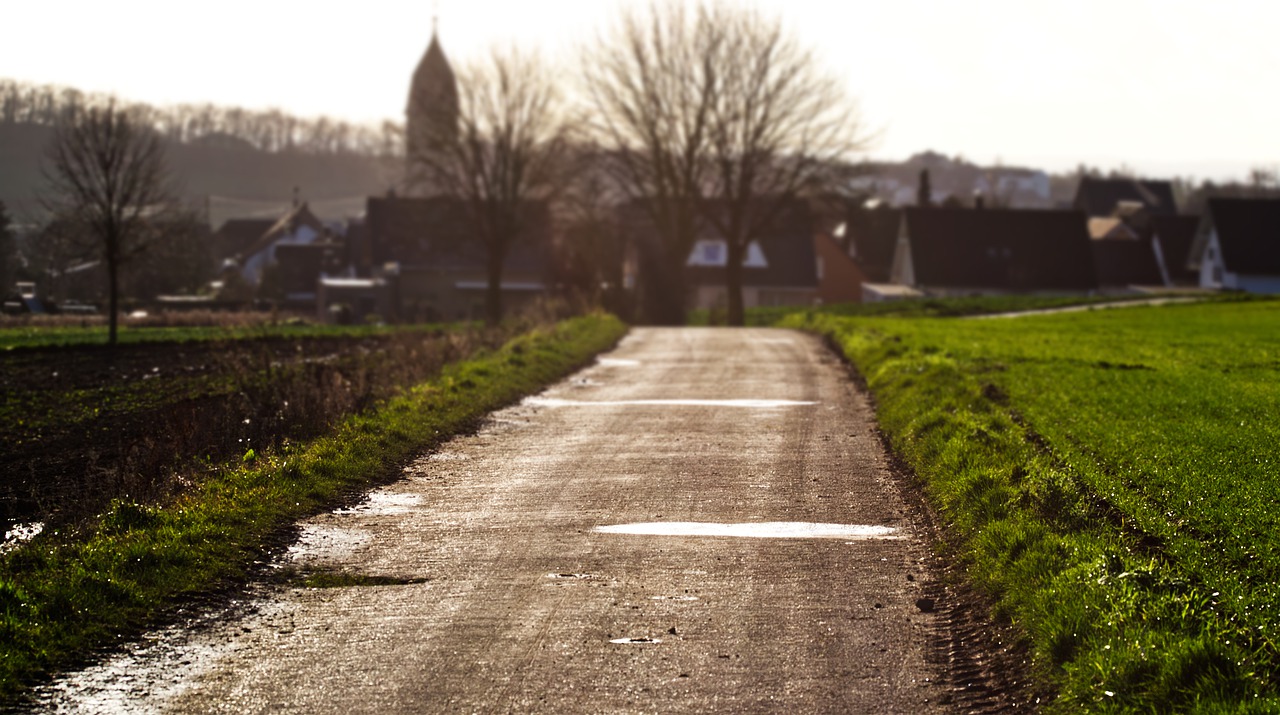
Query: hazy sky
column 1167, row 86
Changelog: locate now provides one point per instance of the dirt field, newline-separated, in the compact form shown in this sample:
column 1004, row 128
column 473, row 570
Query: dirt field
column 82, row 425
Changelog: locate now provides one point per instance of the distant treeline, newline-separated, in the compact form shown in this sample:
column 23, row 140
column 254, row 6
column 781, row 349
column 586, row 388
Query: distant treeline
column 271, row 130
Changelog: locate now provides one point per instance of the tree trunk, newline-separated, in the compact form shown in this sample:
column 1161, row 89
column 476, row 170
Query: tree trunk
column 493, row 294
column 733, row 283
column 113, row 298
column 661, row 285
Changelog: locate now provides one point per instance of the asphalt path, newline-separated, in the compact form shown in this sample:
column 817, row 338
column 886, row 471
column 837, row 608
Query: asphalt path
column 702, row 521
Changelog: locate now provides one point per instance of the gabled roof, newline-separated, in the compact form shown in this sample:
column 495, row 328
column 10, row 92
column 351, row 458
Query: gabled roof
column 787, row 248
column 238, row 234
column 436, row 232
column 1006, row 249
column 286, row 225
column 785, row 245
column 1099, row 197
column 1248, row 234
column 1176, row 234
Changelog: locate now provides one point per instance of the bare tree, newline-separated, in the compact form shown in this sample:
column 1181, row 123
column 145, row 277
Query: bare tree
column 506, row 152
column 652, row 90
column 781, row 127
column 717, row 116
column 107, row 170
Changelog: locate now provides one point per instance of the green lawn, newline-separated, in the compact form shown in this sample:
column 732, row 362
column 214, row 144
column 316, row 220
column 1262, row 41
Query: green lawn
column 1113, row 478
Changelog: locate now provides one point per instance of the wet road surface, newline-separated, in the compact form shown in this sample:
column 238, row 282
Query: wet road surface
column 702, row 521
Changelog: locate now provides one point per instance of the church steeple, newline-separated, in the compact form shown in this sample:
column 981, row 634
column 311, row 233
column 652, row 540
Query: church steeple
column 432, row 112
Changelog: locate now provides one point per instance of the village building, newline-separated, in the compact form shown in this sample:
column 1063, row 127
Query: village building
column 1172, row 238
column 954, row 252
column 780, row 266
column 1237, row 245
column 1100, row 197
column 440, row 264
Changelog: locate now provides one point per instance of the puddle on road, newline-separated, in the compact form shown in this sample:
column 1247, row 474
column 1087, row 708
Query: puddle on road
column 385, row 503
column 448, row 457
column 327, row 542
column 617, row 362
column 755, row 530
column 747, row 404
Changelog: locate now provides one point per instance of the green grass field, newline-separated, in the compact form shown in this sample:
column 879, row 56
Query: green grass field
column 1113, row 478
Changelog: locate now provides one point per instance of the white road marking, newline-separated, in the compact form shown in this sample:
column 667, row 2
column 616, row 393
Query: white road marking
column 754, row 530
column 749, row 404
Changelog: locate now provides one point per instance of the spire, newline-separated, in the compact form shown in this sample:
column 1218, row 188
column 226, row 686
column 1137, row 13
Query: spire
column 432, row 111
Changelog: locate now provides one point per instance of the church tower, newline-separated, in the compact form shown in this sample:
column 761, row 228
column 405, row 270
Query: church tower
column 432, row 112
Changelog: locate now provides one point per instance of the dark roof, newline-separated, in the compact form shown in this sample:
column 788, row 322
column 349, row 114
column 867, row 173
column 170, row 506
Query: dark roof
column 870, row 237
column 1126, row 262
column 786, row 243
column 1007, row 249
column 1098, row 197
column 1248, row 234
column 437, row 232
column 1176, row 234
column 238, row 234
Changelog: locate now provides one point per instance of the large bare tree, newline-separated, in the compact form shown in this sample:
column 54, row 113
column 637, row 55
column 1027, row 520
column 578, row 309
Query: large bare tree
column 780, row 127
column 106, row 168
column 507, row 152
column 717, row 116
column 652, row 93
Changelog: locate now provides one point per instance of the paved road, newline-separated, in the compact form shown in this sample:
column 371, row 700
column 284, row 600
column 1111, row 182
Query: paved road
column 510, row 561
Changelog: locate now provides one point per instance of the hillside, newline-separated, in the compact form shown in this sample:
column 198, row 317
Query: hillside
column 203, row 170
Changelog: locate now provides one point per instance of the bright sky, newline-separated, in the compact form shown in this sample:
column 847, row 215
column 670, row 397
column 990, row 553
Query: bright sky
column 1164, row 86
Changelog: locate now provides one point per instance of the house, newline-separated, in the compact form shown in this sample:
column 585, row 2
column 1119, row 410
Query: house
column 1100, row 197
column 870, row 236
column 1171, row 238
column 1237, row 245
column 840, row 278
column 974, row 251
column 780, row 266
column 441, row 261
column 298, row 227
column 299, row 266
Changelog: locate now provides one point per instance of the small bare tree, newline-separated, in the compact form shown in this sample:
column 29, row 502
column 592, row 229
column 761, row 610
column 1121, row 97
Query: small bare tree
column 507, row 152
column 107, row 170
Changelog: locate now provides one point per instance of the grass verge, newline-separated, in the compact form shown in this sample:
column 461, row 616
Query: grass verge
column 64, row 594
column 1109, row 478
